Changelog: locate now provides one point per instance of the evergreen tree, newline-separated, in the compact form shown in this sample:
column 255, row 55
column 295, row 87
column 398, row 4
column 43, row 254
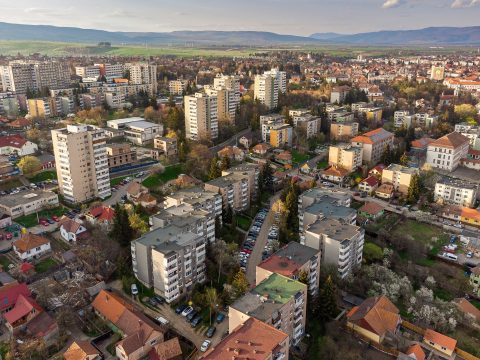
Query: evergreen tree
column 404, row 159
column 122, row 231
column 328, row 308
column 387, row 155
column 228, row 215
column 266, row 178
column 215, row 171
column 414, row 190
column 225, row 163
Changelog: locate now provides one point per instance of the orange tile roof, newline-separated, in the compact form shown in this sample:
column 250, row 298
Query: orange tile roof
column 79, row 350
column 281, row 265
column 335, row 171
column 422, row 143
column 373, row 136
column 110, row 305
column 253, row 340
column 471, row 214
column 468, row 308
column 29, row 242
column 371, row 208
column 417, row 351
column 451, row 141
column 440, row 339
column 23, row 306
column 166, row 350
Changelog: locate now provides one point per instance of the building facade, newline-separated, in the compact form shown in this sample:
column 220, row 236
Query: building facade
column 446, row 152
column 201, row 117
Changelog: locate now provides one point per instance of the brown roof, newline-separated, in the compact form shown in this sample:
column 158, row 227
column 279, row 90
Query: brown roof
column 79, row 350
column 70, row 225
column 335, row 171
column 468, row 308
column 422, row 143
column 135, row 188
column 451, row 141
column 29, row 242
column 166, row 350
column 373, row 136
column 375, row 314
column 385, row 189
column 440, row 339
column 371, row 208
column 417, row 351
column 110, row 305
column 253, row 340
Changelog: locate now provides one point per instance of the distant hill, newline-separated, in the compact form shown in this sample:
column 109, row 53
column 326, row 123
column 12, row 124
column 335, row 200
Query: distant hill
column 326, row 36
column 429, row 36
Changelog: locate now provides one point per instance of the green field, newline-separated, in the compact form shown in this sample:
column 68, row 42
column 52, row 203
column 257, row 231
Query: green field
column 243, row 222
column 44, row 265
column 419, row 231
column 117, row 180
column 298, row 158
column 31, row 220
column 170, row 173
column 44, row 175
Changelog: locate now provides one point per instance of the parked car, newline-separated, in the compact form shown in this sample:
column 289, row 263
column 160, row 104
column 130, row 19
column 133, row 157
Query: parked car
column 159, row 299
column 220, row 317
column 55, row 218
column 8, row 236
column 205, row 345
column 469, row 254
column 196, row 321
column 180, row 308
column 162, row 320
column 211, row 331
column 187, row 311
column 50, row 221
column 190, row 316
column 134, row 289
column 152, row 301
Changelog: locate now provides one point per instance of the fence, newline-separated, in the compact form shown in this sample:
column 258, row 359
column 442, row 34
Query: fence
column 412, row 327
column 465, row 355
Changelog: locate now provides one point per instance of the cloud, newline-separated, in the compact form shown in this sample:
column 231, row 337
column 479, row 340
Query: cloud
column 389, row 4
column 459, row 4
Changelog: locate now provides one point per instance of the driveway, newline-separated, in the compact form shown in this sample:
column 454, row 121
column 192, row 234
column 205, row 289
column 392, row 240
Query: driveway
column 122, row 190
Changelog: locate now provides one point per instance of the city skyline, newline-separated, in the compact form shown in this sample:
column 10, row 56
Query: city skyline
column 265, row 15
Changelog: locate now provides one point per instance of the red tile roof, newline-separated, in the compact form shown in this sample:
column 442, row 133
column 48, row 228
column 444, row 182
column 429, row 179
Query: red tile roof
column 371, row 181
column 373, row 136
column 15, row 141
column 371, row 208
column 9, row 294
column 451, row 141
column 29, row 242
column 23, row 306
column 281, row 265
column 417, row 351
column 440, row 339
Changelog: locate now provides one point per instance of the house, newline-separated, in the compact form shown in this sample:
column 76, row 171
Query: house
column 100, row 214
column 309, row 167
column 377, row 171
column 24, row 310
column 9, row 294
column 31, row 246
column 371, row 210
column 47, row 161
column 446, row 152
column 70, row 230
column 82, row 350
column 439, row 342
column 374, row 319
column 43, row 327
column 284, row 157
column 168, row 146
column 462, row 214
column 385, row 191
column 475, row 279
column 245, row 141
column 140, row 195
column 261, row 149
column 232, row 152
column 167, row 350
column 16, row 144
column 334, row 174
column 139, row 333
column 369, row 185
column 414, row 352
column 467, row 308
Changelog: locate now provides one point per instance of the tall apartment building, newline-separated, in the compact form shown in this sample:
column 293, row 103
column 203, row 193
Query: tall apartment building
column 268, row 85
column 177, row 87
column 281, row 135
column 197, row 198
column 267, row 122
column 169, row 260
column 446, row 152
column 143, row 73
column 277, row 301
column 343, row 131
column 88, row 72
column 111, row 71
column 82, row 163
column 291, row 261
column 373, row 143
column 229, row 82
column 226, row 102
column 340, row 243
column 345, row 156
column 252, row 339
column 456, row 192
column 120, row 155
column 201, row 118
column 399, row 176
column 310, row 123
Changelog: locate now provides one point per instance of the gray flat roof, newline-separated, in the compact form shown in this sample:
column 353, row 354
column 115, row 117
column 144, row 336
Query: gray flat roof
column 297, row 252
column 167, row 239
column 24, row 197
column 457, row 183
column 334, row 229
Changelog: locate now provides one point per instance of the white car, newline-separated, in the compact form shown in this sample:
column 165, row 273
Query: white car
column 134, row 289
column 187, row 311
column 205, row 345
column 162, row 320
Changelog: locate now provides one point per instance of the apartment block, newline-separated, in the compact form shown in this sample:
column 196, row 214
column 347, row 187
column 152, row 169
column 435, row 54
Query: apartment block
column 88, row 72
column 267, row 122
column 277, row 301
column 402, row 118
column 345, row 156
column 120, row 155
column 472, row 132
column 281, row 135
column 137, row 130
column 143, row 73
column 343, row 131
column 252, row 339
column 82, row 162
column 201, row 117
column 338, row 94
column 226, row 102
column 177, row 87
column 340, row 243
column 169, row 260
column 167, row 145
column 399, row 176
column 268, row 85
column 456, row 192
column 291, row 261
column 446, row 152
column 26, row 203
column 197, row 198
column 373, row 143
column 310, row 123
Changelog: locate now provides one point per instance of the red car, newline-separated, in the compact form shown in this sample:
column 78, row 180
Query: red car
column 8, row 236
column 55, row 218
column 44, row 222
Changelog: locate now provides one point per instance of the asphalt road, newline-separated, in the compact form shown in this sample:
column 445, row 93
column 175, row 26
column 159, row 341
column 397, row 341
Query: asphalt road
column 230, row 142
column 122, row 190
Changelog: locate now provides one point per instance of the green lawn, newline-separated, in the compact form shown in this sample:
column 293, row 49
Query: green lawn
column 117, row 180
column 31, row 220
column 44, row 175
column 170, row 173
column 322, row 164
column 44, row 265
column 243, row 222
column 299, row 158
column 419, row 231
column 4, row 262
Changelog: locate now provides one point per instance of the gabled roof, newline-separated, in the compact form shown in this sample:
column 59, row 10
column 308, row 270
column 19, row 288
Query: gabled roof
column 422, row 143
column 468, row 308
column 79, row 350
column 335, row 171
column 110, row 305
column 440, row 339
column 9, row 294
column 371, row 181
column 30, row 241
column 135, row 188
column 70, row 225
column 376, row 314
column 451, row 141
column 102, row 213
column 373, row 136
column 385, row 189
column 371, row 208
column 15, row 141
column 416, row 352
column 166, row 350
column 23, row 306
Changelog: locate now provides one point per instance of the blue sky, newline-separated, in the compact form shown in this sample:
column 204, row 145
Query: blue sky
column 299, row 17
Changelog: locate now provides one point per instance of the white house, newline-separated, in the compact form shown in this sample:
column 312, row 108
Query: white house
column 16, row 144
column 445, row 153
column 31, row 246
column 70, row 229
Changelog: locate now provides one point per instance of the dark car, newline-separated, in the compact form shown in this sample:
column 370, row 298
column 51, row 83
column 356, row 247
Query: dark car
column 180, row 308
column 50, row 221
column 211, row 330
column 159, row 299
column 220, row 317
column 196, row 320
column 191, row 315
column 152, row 301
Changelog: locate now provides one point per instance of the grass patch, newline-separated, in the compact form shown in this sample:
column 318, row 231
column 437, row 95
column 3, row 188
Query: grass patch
column 170, row 173
column 243, row 222
column 117, row 180
column 299, row 158
column 476, row 303
column 44, row 175
column 45, row 265
column 322, row 164
column 443, row 294
column 419, row 231
column 4, row 262
column 7, row 185
column 31, row 220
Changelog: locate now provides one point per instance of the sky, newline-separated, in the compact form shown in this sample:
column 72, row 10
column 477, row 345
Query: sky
column 296, row 17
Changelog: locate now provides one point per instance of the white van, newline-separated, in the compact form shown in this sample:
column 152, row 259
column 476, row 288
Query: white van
column 162, row 320
column 450, row 256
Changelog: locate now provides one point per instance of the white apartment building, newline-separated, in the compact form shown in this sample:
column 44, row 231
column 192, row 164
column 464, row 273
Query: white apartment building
column 82, row 162
column 446, row 152
column 402, row 118
column 143, row 73
column 169, row 259
column 345, row 156
column 399, row 176
column 267, row 122
column 116, row 100
column 268, row 85
column 197, row 198
column 226, row 102
column 177, row 87
column 201, row 117
column 111, row 71
column 229, row 82
column 472, row 132
column 340, row 244
column 88, row 72
column 136, row 129
column 310, row 123
column 456, row 192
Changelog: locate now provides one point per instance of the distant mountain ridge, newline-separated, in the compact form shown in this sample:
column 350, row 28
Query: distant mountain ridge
column 427, row 36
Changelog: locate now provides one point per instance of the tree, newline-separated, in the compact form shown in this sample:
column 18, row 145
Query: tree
column 121, row 231
column 404, row 159
column 228, row 215
column 151, row 114
column 198, row 160
column 414, row 190
column 29, row 164
column 137, row 223
column 33, row 134
column 328, row 300
column 240, row 283
column 225, row 163
column 215, row 171
column 387, row 155
column 266, row 178
column 212, row 299
column 303, row 277
column 465, row 112
column 372, row 252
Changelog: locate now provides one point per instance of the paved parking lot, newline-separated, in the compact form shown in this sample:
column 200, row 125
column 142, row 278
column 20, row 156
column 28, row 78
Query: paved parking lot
column 256, row 255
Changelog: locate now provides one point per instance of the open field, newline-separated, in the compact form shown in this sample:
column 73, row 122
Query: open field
column 171, row 172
